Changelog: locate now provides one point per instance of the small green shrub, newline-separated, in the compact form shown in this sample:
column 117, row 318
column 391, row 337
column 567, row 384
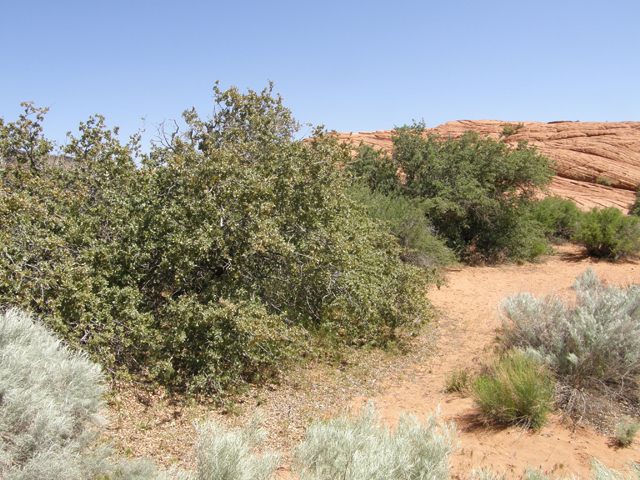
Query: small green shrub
column 597, row 340
column 634, row 209
column 355, row 448
column 607, row 233
column 511, row 128
column 518, row 390
column 407, row 221
column 604, row 181
column 559, row 218
column 457, row 381
column 626, row 432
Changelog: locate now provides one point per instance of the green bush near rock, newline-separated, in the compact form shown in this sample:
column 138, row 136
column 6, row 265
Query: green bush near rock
column 206, row 263
column 473, row 190
column 559, row 218
column 406, row 220
column 607, row 233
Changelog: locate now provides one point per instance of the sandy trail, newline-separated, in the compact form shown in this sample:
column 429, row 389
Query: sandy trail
column 467, row 333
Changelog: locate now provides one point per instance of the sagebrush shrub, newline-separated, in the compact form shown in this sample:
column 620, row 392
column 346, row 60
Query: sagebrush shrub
column 49, row 402
column 230, row 455
column 598, row 339
column 49, row 395
column 626, row 432
column 600, row 472
column 607, row 233
column 517, row 390
column 357, row 447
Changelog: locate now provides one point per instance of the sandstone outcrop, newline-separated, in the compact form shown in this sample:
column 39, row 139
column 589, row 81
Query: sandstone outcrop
column 597, row 164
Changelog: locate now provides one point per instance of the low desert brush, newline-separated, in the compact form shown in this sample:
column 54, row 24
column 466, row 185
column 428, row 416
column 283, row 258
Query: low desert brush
column 607, row 233
column 597, row 340
column 229, row 455
column 625, row 432
column 600, row 472
column 49, row 401
column 355, row 448
column 457, row 380
column 517, row 390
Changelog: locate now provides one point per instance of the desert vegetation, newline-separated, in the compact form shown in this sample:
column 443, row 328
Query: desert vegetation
column 50, row 397
column 473, row 191
column 233, row 249
column 209, row 261
column 591, row 345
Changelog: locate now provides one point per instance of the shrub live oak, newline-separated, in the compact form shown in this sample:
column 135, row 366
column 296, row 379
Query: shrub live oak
column 475, row 191
column 205, row 263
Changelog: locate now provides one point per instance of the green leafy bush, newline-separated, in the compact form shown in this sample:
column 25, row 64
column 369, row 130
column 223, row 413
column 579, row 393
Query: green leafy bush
column 473, row 190
column 597, row 340
column 517, row 390
column 626, row 432
column 354, row 448
column 206, row 263
column 558, row 217
column 406, row 220
column 607, row 233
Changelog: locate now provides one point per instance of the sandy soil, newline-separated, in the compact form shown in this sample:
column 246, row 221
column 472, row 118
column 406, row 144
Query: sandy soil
column 467, row 331
column 161, row 427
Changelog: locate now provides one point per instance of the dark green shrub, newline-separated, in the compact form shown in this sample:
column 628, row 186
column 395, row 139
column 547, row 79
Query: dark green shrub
column 604, row 181
column 209, row 261
column 634, row 209
column 510, row 129
column 473, row 190
column 559, row 218
column 406, row 220
column 607, row 233
column 518, row 390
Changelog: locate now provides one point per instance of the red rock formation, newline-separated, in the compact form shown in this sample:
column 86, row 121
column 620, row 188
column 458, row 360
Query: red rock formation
column 598, row 164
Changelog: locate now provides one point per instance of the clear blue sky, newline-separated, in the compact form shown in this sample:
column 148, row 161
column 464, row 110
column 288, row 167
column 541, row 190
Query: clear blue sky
column 350, row 65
